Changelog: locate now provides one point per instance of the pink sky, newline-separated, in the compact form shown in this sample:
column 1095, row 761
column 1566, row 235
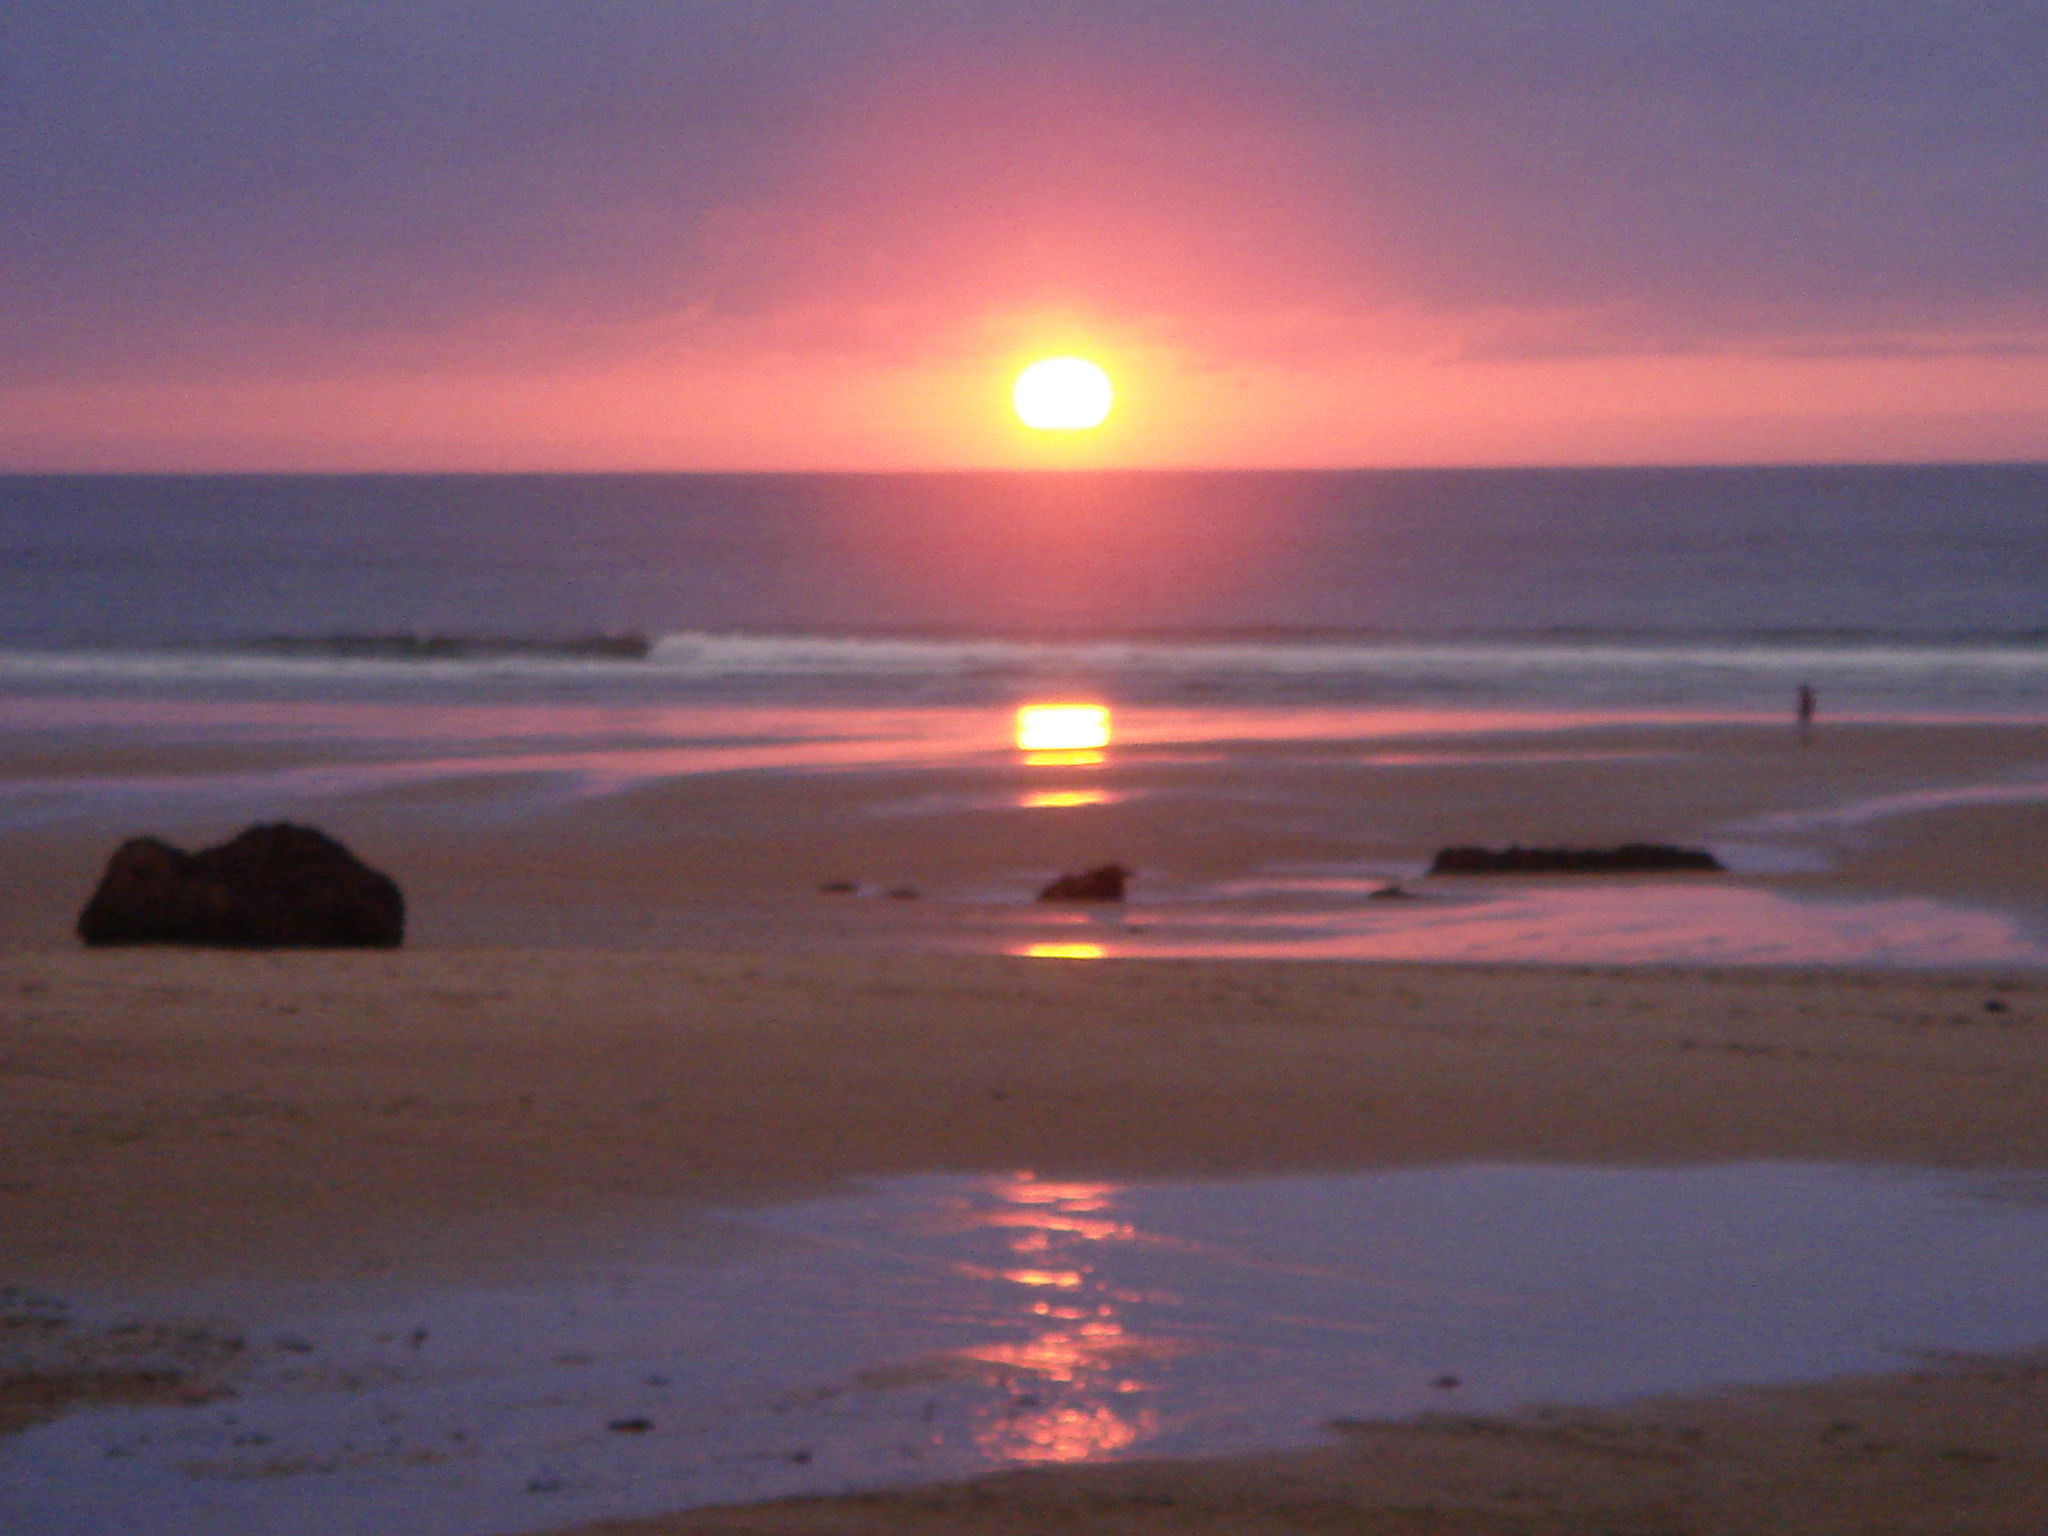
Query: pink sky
column 687, row 236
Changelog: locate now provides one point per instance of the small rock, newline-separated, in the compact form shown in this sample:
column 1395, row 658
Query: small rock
column 1996, row 1005
column 902, row 893
column 1627, row 859
column 1105, row 882
column 630, row 1426
column 840, row 887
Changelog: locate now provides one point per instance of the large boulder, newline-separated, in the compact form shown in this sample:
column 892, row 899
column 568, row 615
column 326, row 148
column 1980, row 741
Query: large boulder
column 1628, row 859
column 1105, row 882
column 271, row 887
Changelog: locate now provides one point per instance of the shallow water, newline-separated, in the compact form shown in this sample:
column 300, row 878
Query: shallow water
column 1258, row 832
column 1630, row 922
column 939, row 1327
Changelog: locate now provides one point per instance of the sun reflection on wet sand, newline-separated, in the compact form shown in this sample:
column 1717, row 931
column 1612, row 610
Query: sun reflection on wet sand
column 1064, row 951
column 1062, row 736
column 1073, row 1393
column 1042, row 799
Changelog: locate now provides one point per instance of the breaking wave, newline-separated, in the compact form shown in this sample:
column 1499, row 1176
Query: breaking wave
column 2004, row 675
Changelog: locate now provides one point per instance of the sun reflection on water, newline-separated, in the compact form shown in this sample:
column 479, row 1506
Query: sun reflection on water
column 1076, row 1390
column 1044, row 799
column 1064, row 951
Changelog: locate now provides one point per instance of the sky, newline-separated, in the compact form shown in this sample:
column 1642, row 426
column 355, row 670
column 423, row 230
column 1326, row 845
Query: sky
column 757, row 234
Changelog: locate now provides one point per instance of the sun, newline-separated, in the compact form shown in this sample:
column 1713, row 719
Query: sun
column 1062, row 727
column 1062, row 394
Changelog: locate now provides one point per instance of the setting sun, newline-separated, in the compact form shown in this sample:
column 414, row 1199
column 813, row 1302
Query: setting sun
column 1062, row 394
column 1062, row 727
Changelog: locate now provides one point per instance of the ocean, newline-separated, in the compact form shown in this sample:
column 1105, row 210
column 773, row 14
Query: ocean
column 1912, row 587
column 661, row 709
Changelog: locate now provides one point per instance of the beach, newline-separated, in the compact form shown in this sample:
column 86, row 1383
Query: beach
column 1254, row 832
column 737, row 1145
column 229, row 1123
column 626, row 1016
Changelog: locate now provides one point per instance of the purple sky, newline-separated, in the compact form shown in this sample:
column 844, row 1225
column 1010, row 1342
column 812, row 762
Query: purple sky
column 215, row 195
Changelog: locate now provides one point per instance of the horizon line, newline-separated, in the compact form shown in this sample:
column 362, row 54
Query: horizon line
column 926, row 472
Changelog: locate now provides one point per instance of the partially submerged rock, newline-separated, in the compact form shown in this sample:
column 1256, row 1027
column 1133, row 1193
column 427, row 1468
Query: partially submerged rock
column 279, row 886
column 1105, row 882
column 1627, row 859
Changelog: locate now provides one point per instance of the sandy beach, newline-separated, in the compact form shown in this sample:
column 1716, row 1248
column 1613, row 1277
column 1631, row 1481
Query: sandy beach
column 631, row 1009
column 1254, row 833
column 387, row 1120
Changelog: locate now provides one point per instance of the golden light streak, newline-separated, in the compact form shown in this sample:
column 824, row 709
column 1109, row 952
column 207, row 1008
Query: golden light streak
column 1044, row 799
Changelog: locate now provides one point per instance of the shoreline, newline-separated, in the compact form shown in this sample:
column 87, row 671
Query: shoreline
column 1947, row 1448
column 144, row 1087
column 1881, row 844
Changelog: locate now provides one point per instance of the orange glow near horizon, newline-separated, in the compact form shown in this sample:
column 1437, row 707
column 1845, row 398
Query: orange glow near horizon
column 1064, row 952
column 1206, row 408
column 1062, row 727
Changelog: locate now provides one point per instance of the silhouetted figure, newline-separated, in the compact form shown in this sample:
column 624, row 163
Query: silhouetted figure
column 1808, row 703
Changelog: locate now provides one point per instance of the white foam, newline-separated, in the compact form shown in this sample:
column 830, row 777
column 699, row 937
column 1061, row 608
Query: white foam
column 1500, row 665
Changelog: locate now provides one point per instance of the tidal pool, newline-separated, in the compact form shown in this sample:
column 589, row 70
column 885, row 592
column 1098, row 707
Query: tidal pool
column 939, row 1327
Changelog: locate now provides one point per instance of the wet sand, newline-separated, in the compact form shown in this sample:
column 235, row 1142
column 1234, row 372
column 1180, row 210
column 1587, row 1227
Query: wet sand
column 384, row 1121
column 168, row 1113
column 630, row 849
column 1954, row 1450
column 639, row 1002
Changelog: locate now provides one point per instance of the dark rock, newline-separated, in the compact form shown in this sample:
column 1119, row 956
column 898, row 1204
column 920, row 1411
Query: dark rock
column 278, row 886
column 1390, row 893
column 902, row 893
column 840, row 887
column 409, row 647
column 1628, row 859
column 630, row 1426
column 1105, row 882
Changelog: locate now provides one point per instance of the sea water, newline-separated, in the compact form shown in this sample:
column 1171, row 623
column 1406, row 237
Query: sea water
column 1905, row 587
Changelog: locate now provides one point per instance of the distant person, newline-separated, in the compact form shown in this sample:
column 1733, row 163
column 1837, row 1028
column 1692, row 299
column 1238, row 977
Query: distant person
column 1808, row 703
